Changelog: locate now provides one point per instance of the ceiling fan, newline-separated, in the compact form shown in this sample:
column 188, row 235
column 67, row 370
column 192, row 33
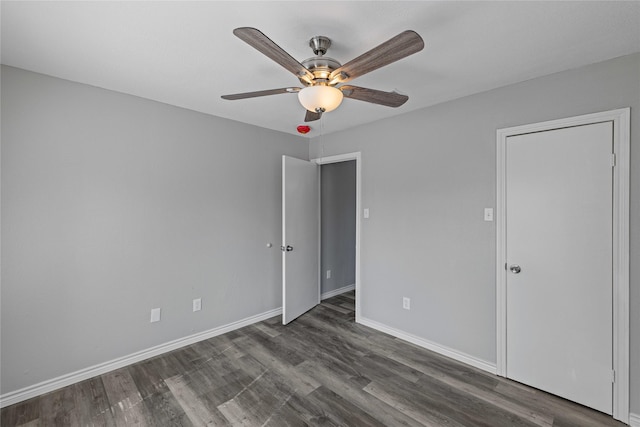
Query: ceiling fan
column 323, row 77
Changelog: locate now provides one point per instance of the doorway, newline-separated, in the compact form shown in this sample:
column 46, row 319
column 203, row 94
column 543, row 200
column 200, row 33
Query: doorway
column 562, row 258
column 354, row 161
column 337, row 228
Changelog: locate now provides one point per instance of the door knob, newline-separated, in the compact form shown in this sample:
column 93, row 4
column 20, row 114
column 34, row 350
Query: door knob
column 286, row 248
column 515, row 268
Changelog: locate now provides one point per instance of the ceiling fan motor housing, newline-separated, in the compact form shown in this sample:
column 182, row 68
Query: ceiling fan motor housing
column 320, row 67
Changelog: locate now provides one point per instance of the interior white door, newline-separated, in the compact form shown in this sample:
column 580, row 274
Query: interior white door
column 300, row 237
column 559, row 195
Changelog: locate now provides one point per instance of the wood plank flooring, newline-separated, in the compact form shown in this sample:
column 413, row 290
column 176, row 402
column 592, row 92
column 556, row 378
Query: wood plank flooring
column 322, row 369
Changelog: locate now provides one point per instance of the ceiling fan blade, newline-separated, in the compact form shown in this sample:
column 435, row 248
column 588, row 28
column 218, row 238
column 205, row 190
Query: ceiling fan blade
column 261, row 93
column 404, row 44
column 266, row 46
column 390, row 99
column 311, row 116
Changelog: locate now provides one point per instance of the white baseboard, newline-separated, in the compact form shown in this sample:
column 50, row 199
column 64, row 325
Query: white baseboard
column 29, row 392
column 429, row 345
column 634, row 420
column 338, row 291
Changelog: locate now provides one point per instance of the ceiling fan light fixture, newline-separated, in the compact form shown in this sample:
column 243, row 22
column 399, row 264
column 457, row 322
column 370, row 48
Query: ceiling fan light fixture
column 320, row 98
column 321, row 74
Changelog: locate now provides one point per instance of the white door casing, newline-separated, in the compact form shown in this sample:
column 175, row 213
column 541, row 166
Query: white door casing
column 533, row 197
column 300, row 237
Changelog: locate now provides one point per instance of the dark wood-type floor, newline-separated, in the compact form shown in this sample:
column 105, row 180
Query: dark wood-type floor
column 322, row 369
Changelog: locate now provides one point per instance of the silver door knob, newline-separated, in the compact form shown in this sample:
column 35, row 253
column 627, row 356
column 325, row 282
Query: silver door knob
column 515, row 268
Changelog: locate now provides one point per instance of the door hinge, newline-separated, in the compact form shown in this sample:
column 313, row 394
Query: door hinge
column 613, row 376
column 505, row 265
column 613, row 159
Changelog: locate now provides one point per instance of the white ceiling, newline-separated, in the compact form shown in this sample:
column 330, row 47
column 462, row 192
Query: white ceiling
column 185, row 54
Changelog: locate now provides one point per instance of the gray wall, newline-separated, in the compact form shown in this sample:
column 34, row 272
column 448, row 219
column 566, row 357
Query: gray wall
column 338, row 250
column 426, row 177
column 113, row 205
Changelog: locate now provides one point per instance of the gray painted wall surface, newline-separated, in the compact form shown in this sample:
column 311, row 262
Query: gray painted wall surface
column 338, row 250
column 426, row 177
column 113, row 205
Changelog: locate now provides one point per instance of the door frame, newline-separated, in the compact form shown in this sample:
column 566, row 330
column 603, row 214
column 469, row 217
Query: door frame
column 337, row 159
column 621, row 182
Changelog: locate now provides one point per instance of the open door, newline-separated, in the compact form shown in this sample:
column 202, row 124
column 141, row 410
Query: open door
column 300, row 237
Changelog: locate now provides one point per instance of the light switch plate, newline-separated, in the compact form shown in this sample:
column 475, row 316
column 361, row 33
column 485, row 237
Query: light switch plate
column 488, row 214
column 366, row 212
column 155, row 315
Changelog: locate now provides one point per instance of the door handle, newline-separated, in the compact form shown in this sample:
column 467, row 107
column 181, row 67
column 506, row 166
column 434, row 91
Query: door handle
column 515, row 268
column 286, row 248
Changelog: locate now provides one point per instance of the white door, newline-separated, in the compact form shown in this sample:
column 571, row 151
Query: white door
column 300, row 237
column 559, row 195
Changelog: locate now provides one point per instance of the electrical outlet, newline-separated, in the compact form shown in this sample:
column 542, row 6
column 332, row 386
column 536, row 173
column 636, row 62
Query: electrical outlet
column 155, row 315
column 328, row 274
column 406, row 303
column 197, row 304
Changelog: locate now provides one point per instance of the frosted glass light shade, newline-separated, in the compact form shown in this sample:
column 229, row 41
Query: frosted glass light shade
column 324, row 98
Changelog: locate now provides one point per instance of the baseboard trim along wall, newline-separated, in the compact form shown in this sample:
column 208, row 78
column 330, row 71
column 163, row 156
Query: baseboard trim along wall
column 634, row 420
column 338, row 291
column 47, row 386
column 429, row 345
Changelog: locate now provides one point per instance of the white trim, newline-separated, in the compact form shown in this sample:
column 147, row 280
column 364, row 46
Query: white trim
column 358, row 158
column 319, row 169
column 338, row 291
column 29, row 392
column 634, row 420
column 621, row 143
column 501, row 254
column 430, row 345
column 284, row 238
